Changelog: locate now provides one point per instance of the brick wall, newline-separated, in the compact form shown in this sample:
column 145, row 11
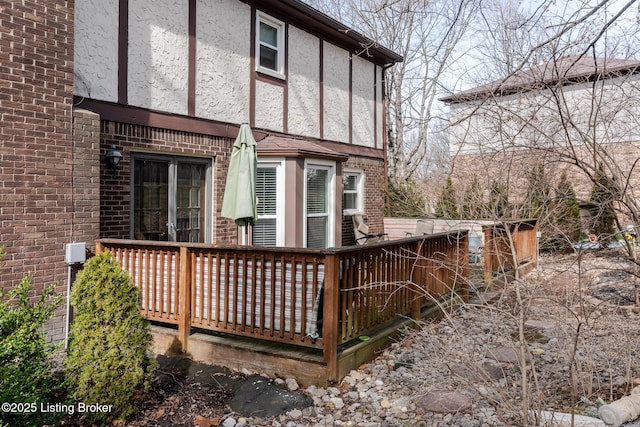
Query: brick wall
column 115, row 190
column 86, row 178
column 514, row 167
column 374, row 197
column 36, row 85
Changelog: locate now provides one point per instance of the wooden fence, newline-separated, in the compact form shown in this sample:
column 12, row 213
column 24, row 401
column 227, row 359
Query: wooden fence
column 311, row 298
column 510, row 246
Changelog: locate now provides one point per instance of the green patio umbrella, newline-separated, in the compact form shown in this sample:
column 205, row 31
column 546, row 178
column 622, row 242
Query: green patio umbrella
column 239, row 202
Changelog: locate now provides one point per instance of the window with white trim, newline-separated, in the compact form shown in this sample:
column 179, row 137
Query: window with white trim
column 268, row 229
column 319, row 204
column 270, row 45
column 352, row 194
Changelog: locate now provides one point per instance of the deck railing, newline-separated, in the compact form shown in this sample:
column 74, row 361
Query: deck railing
column 313, row 298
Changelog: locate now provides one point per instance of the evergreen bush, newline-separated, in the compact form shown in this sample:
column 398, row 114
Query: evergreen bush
column 447, row 206
column 404, row 199
column 27, row 375
column 603, row 194
column 566, row 215
column 473, row 205
column 107, row 358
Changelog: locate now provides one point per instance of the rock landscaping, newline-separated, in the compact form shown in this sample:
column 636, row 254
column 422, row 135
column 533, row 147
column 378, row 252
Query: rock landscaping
column 563, row 340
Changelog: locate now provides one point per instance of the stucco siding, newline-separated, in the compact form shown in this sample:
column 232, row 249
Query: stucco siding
column 269, row 106
column 577, row 114
column 304, row 83
column 96, row 49
column 362, row 102
column 380, row 108
column 158, row 54
column 223, row 60
column 336, row 93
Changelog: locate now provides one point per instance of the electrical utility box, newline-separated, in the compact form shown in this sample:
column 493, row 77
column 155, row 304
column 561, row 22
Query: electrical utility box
column 76, row 253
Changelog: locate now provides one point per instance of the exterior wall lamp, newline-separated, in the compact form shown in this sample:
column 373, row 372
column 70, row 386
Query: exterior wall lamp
column 113, row 158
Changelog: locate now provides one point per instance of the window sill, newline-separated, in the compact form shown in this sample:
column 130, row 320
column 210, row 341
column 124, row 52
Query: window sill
column 266, row 72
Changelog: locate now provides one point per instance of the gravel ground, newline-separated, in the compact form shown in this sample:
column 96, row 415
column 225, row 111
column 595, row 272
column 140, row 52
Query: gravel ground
column 572, row 323
column 579, row 335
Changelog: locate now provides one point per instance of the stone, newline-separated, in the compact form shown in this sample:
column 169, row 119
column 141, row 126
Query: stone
column 539, row 324
column 229, row 422
column 259, row 396
column 337, row 402
column 295, row 414
column 479, row 374
column 504, row 354
column 292, row 384
column 444, row 402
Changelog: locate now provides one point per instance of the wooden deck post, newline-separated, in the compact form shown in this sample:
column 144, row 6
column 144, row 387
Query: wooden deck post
column 462, row 252
column 331, row 315
column 418, row 279
column 488, row 255
column 184, row 319
column 534, row 245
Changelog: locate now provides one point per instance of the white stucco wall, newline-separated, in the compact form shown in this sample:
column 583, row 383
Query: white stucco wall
column 606, row 113
column 269, row 106
column 304, row 83
column 380, row 108
column 222, row 60
column 158, row 71
column 96, row 49
column 362, row 99
column 158, row 54
column 336, row 93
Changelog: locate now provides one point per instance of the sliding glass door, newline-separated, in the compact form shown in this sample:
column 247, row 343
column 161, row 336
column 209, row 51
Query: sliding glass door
column 170, row 198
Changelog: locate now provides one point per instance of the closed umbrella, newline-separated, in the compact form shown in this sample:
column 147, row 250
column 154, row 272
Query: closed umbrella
column 239, row 202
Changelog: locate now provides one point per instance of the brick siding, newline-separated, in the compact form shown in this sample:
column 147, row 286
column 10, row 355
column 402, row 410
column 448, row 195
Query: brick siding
column 514, row 167
column 115, row 203
column 36, row 155
column 374, row 197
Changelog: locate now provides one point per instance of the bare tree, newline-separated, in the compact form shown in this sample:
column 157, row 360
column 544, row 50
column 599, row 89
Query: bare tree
column 428, row 35
column 574, row 112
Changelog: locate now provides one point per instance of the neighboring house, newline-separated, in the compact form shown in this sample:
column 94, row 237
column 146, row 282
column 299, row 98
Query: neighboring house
column 167, row 84
column 571, row 108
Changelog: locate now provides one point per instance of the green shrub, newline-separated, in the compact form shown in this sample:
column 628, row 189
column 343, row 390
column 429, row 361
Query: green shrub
column 603, row 195
column 107, row 358
column 26, row 373
column 404, row 199
column 446, row 206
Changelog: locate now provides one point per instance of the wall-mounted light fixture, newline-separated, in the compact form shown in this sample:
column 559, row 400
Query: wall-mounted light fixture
column 113, row 158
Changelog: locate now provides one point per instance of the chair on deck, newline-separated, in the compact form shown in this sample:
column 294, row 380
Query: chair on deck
column 423, row 226
column 361, row 231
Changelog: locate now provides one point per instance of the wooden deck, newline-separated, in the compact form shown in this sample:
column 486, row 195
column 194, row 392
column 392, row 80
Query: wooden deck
column 301, row 312
column 314, row 302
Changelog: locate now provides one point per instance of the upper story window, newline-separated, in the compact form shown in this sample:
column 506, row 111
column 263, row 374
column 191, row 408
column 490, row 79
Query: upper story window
column 352, row 193
column 270, row 45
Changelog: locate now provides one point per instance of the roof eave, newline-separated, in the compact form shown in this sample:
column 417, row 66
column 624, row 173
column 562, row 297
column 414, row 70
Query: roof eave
column 317, row 20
